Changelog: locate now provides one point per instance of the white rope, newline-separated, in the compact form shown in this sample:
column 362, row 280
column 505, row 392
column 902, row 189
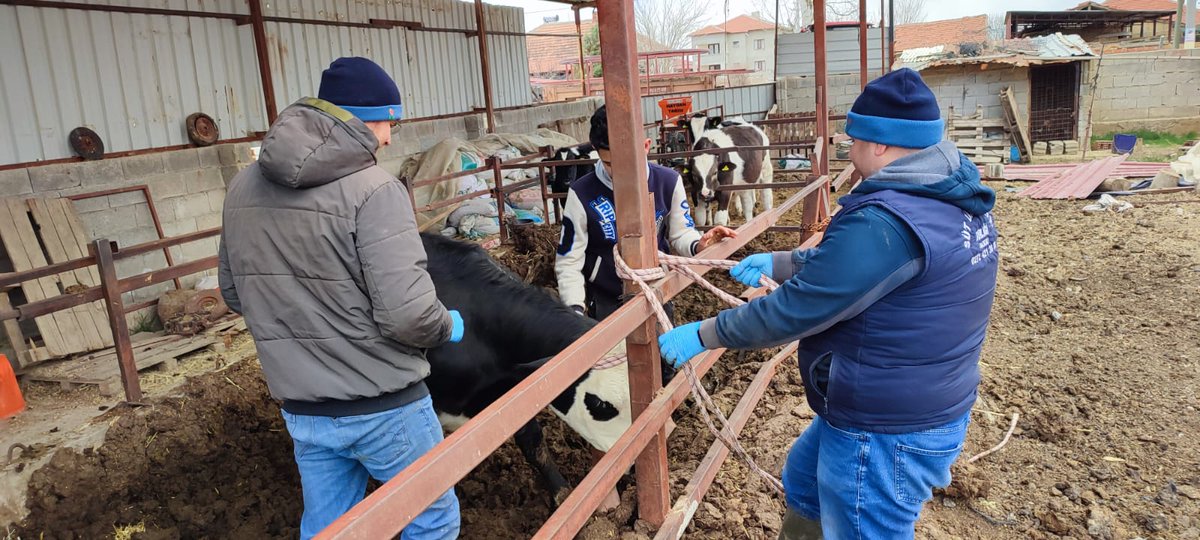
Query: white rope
column 704, row 402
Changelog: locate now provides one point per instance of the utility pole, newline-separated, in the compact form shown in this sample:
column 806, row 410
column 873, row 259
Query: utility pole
column 1189, row 33
column 1177, row 26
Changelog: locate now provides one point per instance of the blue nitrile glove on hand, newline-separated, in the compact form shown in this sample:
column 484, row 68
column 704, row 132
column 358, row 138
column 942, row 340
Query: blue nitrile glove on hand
column 456, row 332
column 681, row 344
column 752, row 268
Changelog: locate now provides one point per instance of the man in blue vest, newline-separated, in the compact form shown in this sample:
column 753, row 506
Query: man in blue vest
column 587, row 275
column 890, row 311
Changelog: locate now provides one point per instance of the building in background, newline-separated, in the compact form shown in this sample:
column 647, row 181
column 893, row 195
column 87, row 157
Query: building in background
column 945, row 32
column 743, row 42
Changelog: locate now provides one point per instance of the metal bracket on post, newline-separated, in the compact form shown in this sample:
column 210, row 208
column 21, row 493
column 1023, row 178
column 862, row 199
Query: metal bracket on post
column 116, row 317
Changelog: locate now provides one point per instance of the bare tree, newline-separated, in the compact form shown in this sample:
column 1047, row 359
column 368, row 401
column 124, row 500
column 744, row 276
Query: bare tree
column 995, row 27
column 667, row 23
column 835, row 10
column 910, row 11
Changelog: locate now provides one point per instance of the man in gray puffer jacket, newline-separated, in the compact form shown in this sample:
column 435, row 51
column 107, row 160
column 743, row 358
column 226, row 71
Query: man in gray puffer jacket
column 321, row 254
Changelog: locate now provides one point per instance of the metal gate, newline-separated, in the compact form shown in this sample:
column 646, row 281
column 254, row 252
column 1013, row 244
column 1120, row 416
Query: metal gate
column 1053, row 102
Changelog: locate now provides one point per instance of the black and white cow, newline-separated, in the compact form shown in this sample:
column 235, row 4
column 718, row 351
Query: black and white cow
column 561, row 176
column 512, row 329
column 731, row 167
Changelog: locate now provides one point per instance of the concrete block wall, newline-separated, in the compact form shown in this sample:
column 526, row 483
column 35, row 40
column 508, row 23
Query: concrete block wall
column 187, row 188
column 1159, row 91
column 799, row 94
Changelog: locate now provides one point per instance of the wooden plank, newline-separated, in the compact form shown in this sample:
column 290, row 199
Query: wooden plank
column 12, row 330
column 70, row 331
column 45, row 220
column 983, row 123
column 15, row 247
column 75, row 242
column 1012, row 117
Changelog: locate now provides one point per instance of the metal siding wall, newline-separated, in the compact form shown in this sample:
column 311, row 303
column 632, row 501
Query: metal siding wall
column 131, row 78
column 796, row 52
column 438, row 72
column 134, row 78
column 740, row 100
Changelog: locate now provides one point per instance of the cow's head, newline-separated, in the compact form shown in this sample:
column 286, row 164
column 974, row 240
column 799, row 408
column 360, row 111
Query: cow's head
column 710, row 171
column 597, row 406
column 560, row 177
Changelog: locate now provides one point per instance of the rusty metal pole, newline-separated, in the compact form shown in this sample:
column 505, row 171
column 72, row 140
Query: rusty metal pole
column 891, row 45
column 583, row 75
column 816, row 205
column 637, row 234
column 883, row 52
column 264, row 63
column 498, row 192
column 116, row 319
column 862, row 44
column 486, row 66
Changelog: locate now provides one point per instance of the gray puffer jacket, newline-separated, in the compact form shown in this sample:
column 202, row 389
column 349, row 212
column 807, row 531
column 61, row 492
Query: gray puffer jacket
column 320, row 252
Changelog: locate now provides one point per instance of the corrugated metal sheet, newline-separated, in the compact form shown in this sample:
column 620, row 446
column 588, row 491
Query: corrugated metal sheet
column 739, row 100
column 131, row 78
column 134, row 78
column 438, row 73
column 841, row 45
column 1060, row 46
column 1077, row 182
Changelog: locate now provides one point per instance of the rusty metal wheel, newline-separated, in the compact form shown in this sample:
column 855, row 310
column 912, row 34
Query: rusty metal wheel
column 202, row 129
column 86, row 143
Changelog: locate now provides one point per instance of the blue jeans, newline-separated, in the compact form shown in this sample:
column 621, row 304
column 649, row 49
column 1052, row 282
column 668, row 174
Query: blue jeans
column 335, row 455
column 865, row 485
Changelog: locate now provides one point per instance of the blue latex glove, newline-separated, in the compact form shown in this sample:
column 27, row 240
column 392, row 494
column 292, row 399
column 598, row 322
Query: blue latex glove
column 753, row 267
column 456, row 333
column 681, row 344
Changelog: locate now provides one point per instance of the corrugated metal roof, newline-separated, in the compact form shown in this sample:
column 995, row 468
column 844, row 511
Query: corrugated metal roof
column 1061, row 46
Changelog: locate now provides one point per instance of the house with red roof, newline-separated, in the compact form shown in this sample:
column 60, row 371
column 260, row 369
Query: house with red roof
column 743, row 42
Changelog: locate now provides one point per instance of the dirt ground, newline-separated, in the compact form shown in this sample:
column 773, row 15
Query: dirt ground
column 1093, row 342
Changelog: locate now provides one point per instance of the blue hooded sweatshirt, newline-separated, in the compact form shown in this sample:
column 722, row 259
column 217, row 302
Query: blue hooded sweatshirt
column 892, row 307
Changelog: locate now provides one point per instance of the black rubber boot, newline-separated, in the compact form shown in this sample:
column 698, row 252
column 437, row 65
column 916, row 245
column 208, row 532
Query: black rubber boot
column 799, row 528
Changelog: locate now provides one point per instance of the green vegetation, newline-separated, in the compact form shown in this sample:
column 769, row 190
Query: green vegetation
column 1152, row 138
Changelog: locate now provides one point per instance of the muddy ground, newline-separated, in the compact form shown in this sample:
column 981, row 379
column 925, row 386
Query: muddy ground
column 1093, row 341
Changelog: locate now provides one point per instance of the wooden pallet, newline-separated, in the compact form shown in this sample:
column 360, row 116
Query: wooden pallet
column 981, row 139
column 36, row 233
column 101, row 369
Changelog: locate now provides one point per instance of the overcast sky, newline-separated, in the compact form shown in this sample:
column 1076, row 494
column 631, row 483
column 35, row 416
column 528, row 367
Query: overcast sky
column 535, row 10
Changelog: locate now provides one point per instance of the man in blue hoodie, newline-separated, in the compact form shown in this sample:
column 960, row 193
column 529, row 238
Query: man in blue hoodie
column 890, row 311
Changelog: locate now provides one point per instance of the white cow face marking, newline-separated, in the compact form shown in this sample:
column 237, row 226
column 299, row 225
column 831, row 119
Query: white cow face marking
column 600, row 412
column 451, row 422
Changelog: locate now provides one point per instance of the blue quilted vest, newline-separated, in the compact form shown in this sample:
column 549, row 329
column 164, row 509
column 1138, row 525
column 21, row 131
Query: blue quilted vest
column 909, row 362
column 601, row 208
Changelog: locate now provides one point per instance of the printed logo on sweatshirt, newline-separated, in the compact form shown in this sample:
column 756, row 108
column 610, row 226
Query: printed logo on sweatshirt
column 608, row 217
column 687, row 213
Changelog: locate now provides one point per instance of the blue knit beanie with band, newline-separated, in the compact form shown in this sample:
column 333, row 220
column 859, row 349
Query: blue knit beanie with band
column 897, row 109
column 362, row 88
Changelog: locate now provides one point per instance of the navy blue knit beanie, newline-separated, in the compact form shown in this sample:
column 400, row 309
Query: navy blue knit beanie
column 362, row 88
column 897, row 109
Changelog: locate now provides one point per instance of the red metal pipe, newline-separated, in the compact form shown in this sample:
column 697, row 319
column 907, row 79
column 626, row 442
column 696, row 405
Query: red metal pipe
column 264, row 63
column 862, row 43
column 883, row 50
column 681, row 514
column 149, row 205
column 486, row 65
column 116, row 319
column 618, row 40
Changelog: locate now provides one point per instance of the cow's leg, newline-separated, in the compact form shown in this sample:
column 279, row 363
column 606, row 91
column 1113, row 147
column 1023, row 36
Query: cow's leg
column 700, row 212
column 767, row 176
column 747, row 197
column 529, row 439
column 722, row 218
